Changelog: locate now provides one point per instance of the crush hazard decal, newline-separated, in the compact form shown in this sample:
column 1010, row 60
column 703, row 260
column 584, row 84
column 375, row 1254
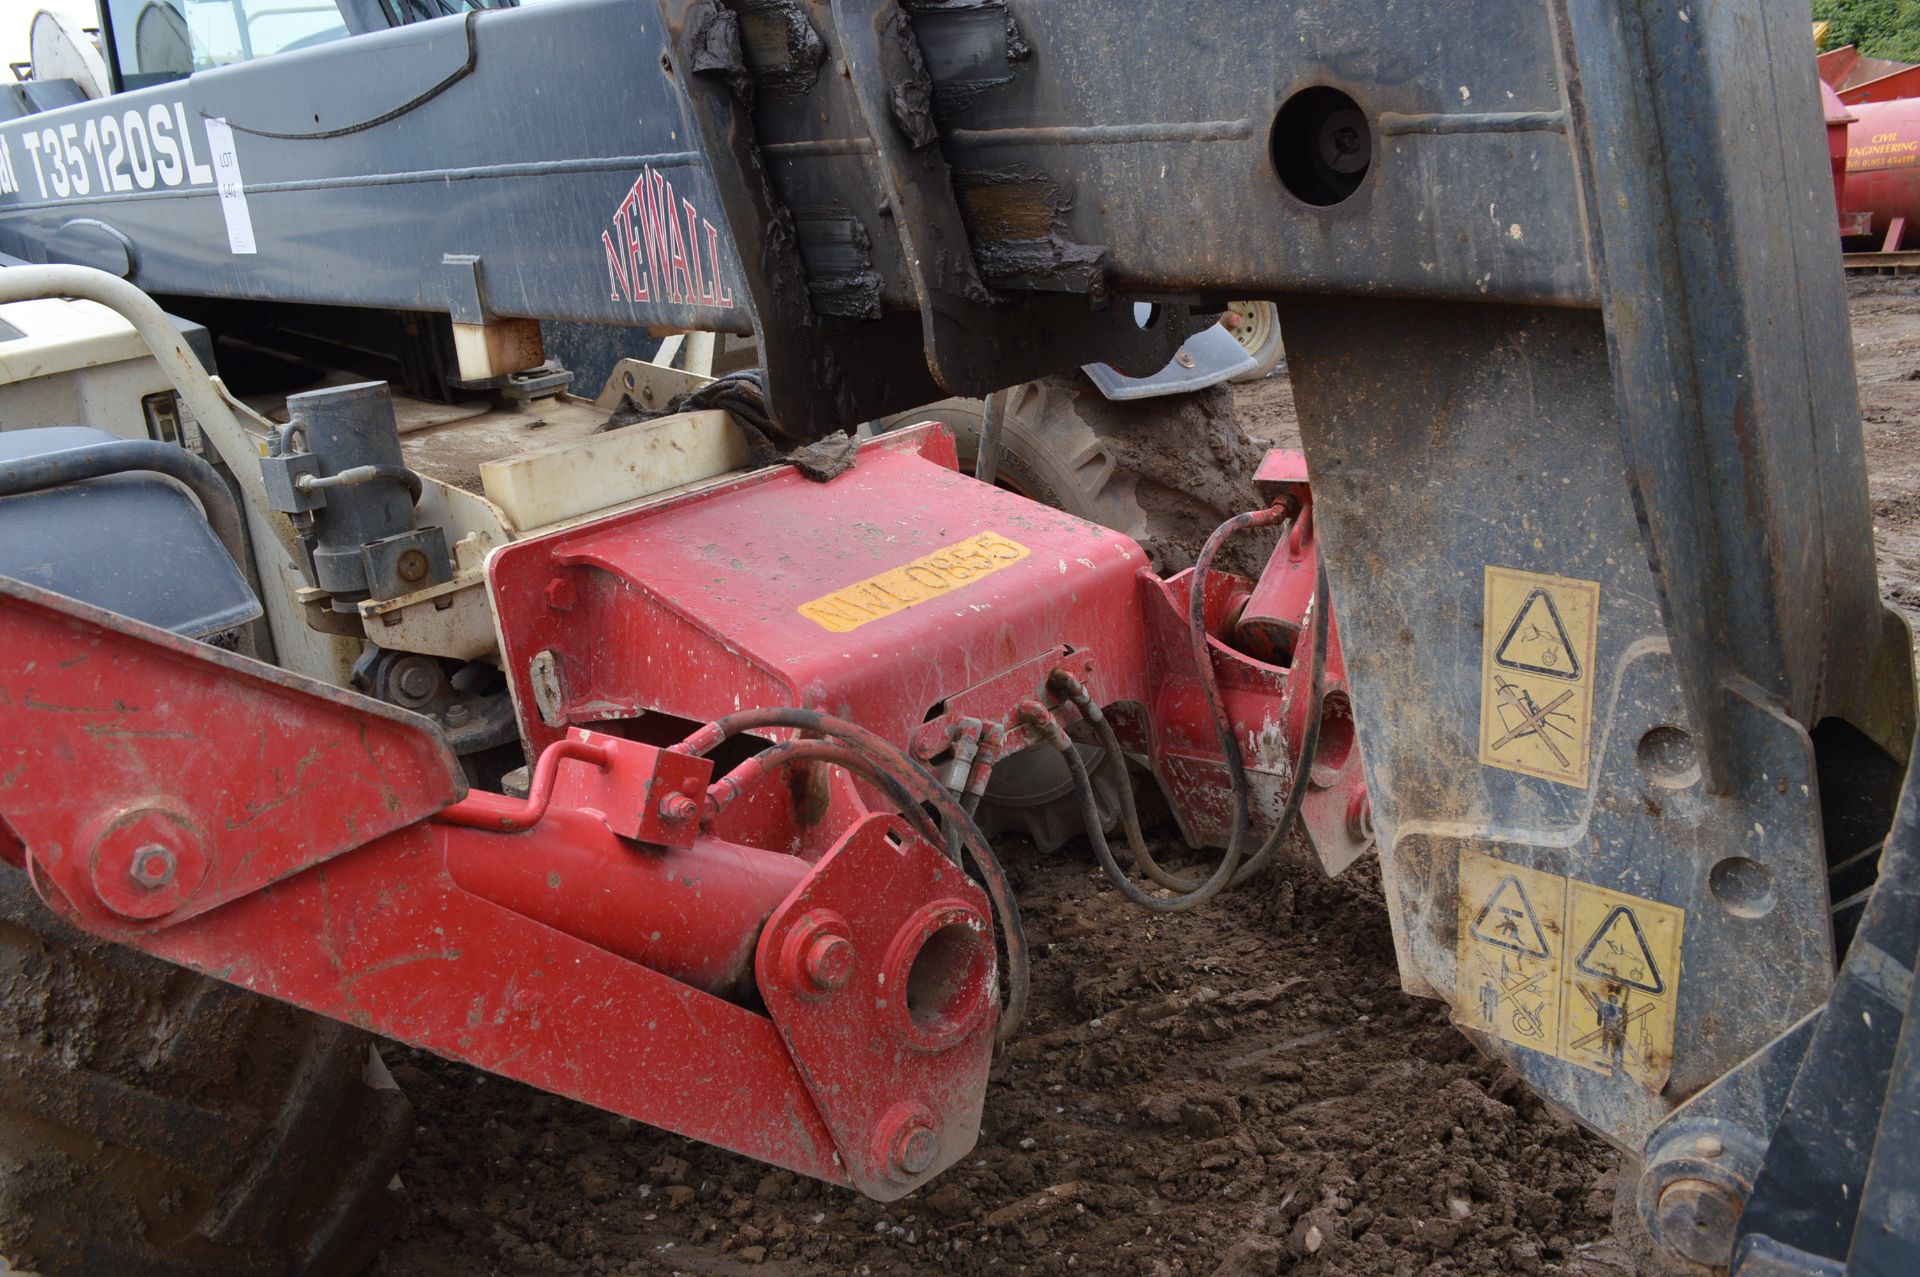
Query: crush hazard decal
column 1536, row 674
column 1568, row 968
column 1510, row 943
column 928, row 577
column 659, row 249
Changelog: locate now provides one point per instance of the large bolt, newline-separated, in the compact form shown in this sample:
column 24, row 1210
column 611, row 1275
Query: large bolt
column 415, row 681
column 152, row 867
column 677, row 808
column 1360, row 817
column 412, row 566
column 914, row 1145
column 828, row 963
column 1694, row 1219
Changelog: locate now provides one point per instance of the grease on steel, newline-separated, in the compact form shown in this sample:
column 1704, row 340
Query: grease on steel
column 927, row 577
column 1569, row 969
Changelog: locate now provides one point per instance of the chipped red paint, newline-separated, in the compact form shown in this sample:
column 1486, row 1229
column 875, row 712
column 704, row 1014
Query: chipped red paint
column 555, row 950
column 692, row 608
column 600, row 939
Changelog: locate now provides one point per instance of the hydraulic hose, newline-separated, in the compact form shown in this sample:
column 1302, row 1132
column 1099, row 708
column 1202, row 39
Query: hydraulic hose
column 1193, row 893
column 1066, row 687
column 722, row 793
column 1309, row 738
column 1210, row 687
column 1036, row 714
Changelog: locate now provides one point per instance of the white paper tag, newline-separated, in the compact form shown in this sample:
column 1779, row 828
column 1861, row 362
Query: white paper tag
column 233, row 196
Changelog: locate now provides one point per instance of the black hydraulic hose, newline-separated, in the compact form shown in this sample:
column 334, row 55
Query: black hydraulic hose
column 1065, row 686
column 97, row 460
column 354, row 476
column 815, row 750
column 1195, row 893
column 1203, row 662
column 413, row 103
column 1036, row 714
column 928, row 789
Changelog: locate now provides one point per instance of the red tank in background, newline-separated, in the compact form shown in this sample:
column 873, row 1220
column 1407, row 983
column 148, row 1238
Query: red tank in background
column 1873, row 135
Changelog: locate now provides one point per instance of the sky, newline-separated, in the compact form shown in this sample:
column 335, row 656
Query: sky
column 16, row 16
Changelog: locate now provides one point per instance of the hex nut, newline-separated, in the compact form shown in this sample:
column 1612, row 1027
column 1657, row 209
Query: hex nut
column 677, row 808
column 152, row 867
column 915, row 1145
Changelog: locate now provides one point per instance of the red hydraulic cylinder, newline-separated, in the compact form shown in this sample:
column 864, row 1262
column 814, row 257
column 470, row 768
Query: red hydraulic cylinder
column 692, row 913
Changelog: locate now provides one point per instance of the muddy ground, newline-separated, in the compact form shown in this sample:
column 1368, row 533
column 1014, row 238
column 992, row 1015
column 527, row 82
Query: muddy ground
column 1240, row 1092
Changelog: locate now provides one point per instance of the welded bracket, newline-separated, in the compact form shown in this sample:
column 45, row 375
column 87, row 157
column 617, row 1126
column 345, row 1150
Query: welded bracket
column 880, row 973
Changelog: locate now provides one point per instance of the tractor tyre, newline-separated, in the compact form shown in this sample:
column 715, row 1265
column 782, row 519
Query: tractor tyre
column 154, row 1121
column 1259, row 334
column 1165, row 471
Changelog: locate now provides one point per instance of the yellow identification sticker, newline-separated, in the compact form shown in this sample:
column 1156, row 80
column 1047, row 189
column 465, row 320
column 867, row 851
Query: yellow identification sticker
column 928, row 577
column 1568, row 968
column 1536, row 674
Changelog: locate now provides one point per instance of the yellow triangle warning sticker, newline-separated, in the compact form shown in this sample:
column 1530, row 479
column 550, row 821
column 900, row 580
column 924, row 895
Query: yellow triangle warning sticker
column 1509, row 968
column 1508, row 921
column 1537, row 674
column 1619, row 952
column 1568, row 968
column 1537, row 642
column 1620, row 998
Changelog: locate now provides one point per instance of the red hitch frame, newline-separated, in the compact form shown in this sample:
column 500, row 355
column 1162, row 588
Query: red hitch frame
column 315, row 846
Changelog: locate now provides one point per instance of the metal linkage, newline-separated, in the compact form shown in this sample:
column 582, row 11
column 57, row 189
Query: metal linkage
column 591, row 940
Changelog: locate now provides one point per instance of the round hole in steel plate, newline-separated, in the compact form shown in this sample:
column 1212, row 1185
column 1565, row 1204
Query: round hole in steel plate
column 1743, row 887
column 1668, row 758
column 948, row 978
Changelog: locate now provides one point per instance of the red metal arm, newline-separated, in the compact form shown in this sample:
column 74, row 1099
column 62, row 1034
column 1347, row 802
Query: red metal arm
column 124, row 749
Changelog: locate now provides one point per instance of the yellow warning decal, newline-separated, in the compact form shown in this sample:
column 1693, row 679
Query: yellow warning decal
column 1536, row 674
column 1622, row 977
column 928, row 577
column 1568, row 968
column 1510, row 943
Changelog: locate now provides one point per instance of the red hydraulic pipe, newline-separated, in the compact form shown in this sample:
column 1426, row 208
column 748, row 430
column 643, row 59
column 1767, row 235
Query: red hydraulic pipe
column 481, row 810
column 691, row 913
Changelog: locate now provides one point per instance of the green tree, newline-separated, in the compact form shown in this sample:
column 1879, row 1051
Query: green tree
column 1882, row 28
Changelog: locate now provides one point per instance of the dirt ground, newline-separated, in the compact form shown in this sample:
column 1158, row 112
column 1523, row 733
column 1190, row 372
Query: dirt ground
column 1239, row 1092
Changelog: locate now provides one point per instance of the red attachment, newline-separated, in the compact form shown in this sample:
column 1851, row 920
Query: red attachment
column 880, row 972
column 596, row 940
column 390, row 931
column 1263, row 680
column 172, row 781
column 693, row 608
column 696, row 607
